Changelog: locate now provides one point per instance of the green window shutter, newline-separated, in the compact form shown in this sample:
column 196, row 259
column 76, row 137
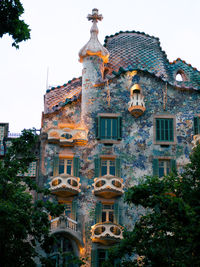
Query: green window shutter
column 74, row 209
column 118, row 167
column 103, row 124
column 98, row 212
column 155, row 167
column 173, row 165
column 97, row 166
column 76, row 167
column 98, row 127
column 119, row 128
column 196, row 125
column 94, row 258
column 116, row 213
column 55, row 165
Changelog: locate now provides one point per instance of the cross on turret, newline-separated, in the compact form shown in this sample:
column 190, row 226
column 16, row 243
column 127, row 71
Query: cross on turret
column 95, row 16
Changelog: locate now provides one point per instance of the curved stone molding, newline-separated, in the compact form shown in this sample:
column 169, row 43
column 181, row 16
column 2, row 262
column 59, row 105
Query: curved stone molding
column 106, row 232
column 67, row 225
column 65, row 185
column 108, row 186
column 196, row 140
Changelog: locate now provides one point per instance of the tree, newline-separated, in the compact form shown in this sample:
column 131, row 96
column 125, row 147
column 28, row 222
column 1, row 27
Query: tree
column 169, row 233
column 24, row 223
column 10, row 13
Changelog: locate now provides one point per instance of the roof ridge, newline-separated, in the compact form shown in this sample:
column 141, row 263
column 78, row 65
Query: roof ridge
column 133, row 31
column 179, row 59
column 64, row 85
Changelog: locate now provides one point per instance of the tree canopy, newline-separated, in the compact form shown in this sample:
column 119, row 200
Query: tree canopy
column 169, row 233
column 11, row 23
column 24, row 223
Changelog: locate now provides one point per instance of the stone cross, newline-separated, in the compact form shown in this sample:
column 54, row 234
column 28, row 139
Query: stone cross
column 95, row 15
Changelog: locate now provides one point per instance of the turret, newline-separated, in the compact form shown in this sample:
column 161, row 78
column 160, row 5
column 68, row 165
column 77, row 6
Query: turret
column 93, row 56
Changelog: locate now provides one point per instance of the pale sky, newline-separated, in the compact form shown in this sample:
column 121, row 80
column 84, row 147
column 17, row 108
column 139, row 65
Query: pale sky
column 59, row 29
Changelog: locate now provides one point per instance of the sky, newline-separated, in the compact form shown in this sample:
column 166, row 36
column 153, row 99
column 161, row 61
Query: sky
column 59, row 29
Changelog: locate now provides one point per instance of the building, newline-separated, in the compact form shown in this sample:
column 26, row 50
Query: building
column 132, row 113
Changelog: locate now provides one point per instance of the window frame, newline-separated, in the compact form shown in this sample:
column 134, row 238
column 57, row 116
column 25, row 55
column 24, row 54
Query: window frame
column 166, row 159
column 118, row 118
column 164, row 116
column 65, row 165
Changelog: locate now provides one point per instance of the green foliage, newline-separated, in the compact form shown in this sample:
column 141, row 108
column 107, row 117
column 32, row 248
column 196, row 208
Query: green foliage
column 169, row 233
column 24, row 223
column 10, row 13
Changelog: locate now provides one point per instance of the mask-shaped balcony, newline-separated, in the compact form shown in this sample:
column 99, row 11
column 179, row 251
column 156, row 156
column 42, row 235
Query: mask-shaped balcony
column 106, row 233
column 108, row 186
column 196, row 140
column 65, row 185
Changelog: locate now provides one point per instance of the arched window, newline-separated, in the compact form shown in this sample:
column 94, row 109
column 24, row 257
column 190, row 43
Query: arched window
column 62, row 251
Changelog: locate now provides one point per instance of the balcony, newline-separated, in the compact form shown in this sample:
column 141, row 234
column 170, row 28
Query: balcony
column 66, row 224
column 196, row 140
column 106, row 233
column 65, row 185
column 108, row 186
column 136, row 105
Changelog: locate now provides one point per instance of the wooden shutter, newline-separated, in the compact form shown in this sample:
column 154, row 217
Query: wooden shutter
column 98, row 212
column 116, row 213
column 98, row 127
column 155, row 167
column 173, row 165
column 118, row 167
column 119, row 128
column 94, row 258
column 76, row 166
column 196, row 125
column 97, row 166
column 74, row 209
column 55, row 165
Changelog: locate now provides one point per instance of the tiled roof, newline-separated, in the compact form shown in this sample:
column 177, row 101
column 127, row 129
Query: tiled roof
column 59, row 96
column 137, row 50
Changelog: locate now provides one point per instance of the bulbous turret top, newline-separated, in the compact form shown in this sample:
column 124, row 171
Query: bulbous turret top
column 93, row 46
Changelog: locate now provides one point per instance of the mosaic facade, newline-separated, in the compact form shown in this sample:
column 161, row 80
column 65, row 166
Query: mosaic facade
column 126, row 117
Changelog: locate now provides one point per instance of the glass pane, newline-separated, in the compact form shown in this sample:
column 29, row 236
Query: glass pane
column 103, row 216
column 112, row 170
column 61, row 166
column 103, row 170
column 101, row 257
column 69, row 169
column 111, row 216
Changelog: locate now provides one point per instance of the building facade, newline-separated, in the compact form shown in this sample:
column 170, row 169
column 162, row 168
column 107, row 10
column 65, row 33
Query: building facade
column 131, row 114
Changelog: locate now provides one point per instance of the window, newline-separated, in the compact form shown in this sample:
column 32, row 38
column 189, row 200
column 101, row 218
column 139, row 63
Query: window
column 107, row 213
column 109, row 127
column 164, row 130
column 62, row 251
column 65, row 166
column 162, row 167
column 107, row 166
column 196, row 125
column 99, row 256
